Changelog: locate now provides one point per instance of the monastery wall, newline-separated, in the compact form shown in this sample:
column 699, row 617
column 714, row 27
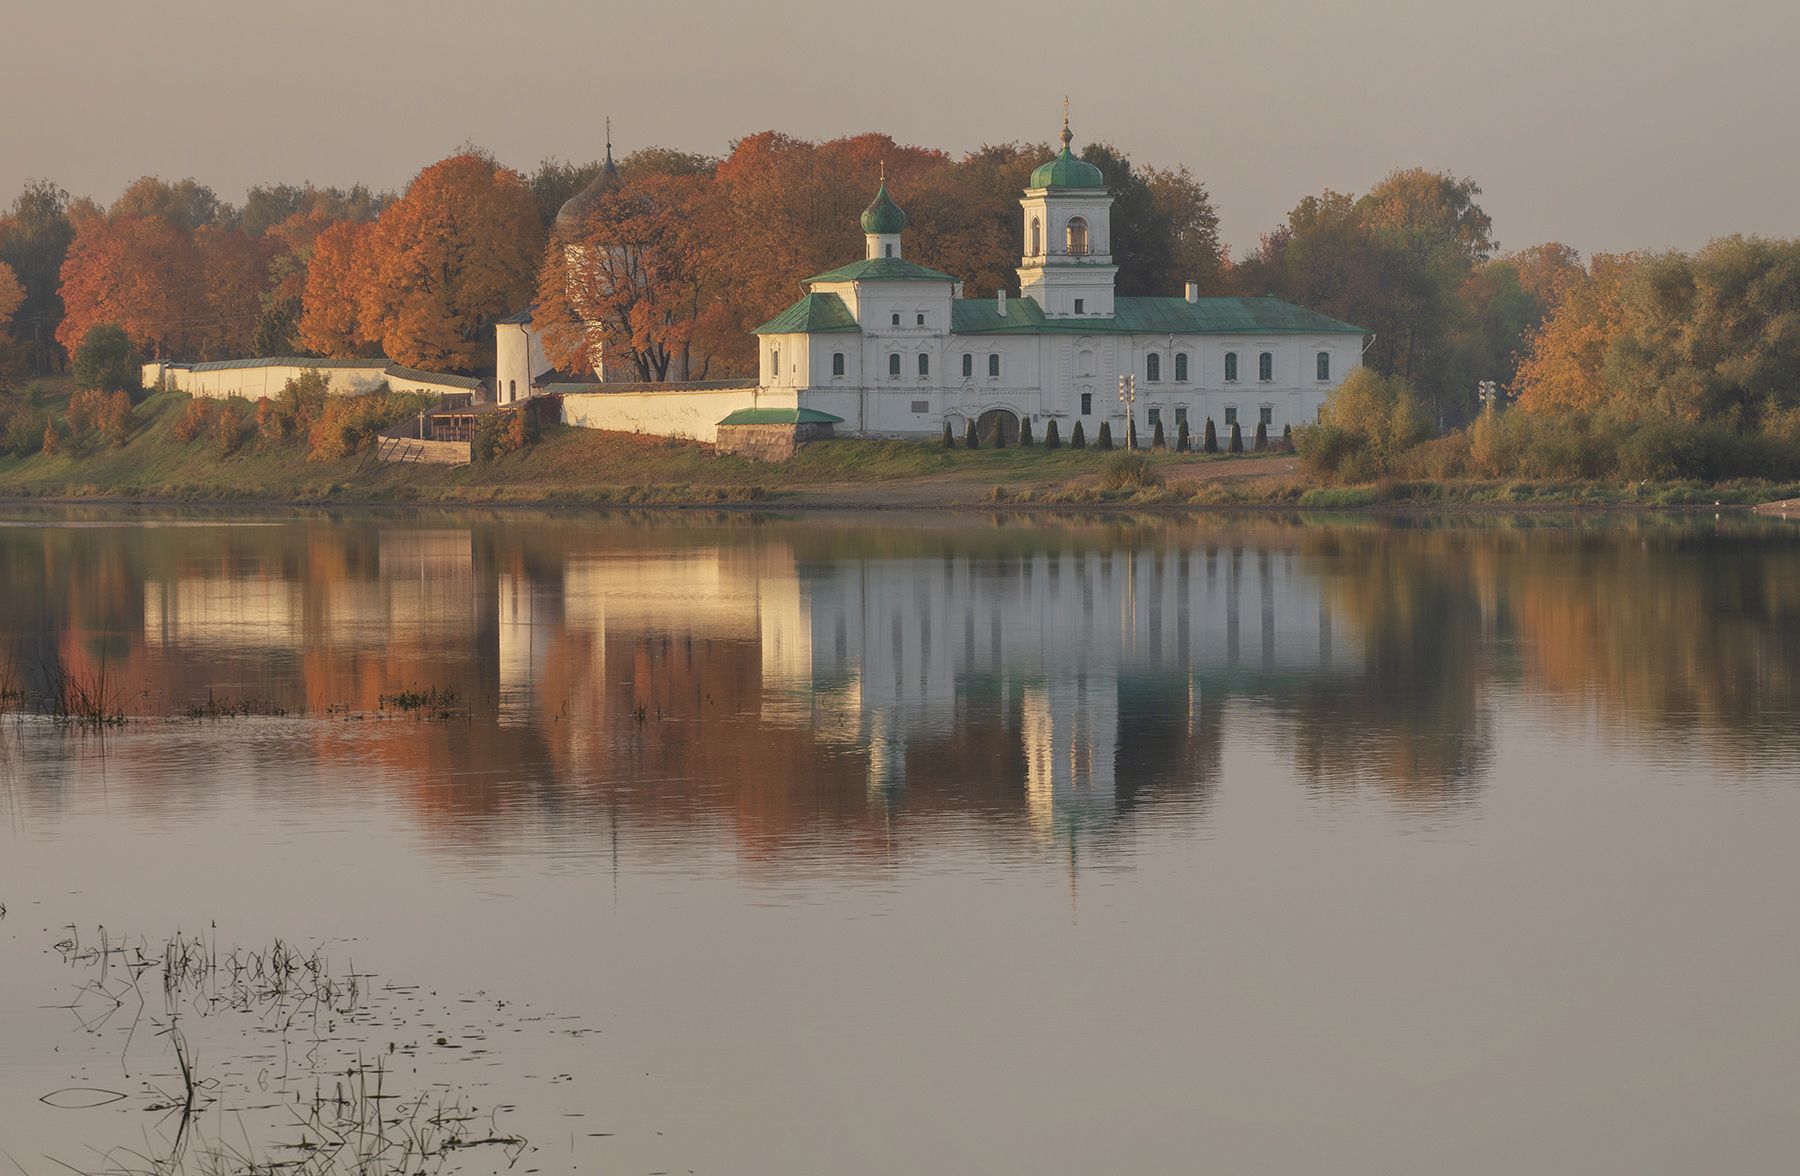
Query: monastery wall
column 692, row 413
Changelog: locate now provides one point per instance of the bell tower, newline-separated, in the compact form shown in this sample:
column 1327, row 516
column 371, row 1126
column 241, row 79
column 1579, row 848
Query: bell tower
column 1066, row 264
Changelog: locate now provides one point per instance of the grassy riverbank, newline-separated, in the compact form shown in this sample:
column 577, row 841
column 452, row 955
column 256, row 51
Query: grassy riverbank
column 584, row 467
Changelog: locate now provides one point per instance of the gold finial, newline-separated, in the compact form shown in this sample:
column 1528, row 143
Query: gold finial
column 1068, row 136
column 884, row 172
column 609, row 138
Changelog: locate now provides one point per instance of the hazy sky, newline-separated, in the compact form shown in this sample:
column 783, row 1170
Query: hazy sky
column 1606, row 124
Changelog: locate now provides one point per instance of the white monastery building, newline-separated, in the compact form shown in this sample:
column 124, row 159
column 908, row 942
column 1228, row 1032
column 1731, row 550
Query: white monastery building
column 892, row 348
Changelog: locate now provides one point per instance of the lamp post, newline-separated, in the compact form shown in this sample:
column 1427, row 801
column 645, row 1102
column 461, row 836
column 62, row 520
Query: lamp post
column 1488, row 392
column 1128, row 397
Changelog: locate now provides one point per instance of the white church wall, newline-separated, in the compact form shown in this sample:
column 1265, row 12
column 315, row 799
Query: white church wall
column 258, row 383
column 691, row 413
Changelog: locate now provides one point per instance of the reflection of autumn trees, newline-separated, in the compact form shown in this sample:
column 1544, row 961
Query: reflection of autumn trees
column 672, row 714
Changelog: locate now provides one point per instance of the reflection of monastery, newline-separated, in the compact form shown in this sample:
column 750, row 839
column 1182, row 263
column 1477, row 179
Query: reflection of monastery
column 1077, row 668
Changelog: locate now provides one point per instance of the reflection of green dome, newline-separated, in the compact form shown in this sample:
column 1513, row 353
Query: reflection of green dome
column 883, row 216
column 1066, row 170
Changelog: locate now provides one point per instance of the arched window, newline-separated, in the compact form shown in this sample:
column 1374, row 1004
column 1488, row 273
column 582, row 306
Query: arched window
column 894, row 364
column 1181, row 367
column 896, row 318
column 924, row 364
column 1078, row 236
column 774, row 363
column 968, row 365
column 1265, row 367
column 1324, row 365
column 1231, row 367
column 837, row 363
column 994, row 365
column 1153, row 367
column 512, row 389
column 921, row 320
column 1037, row 237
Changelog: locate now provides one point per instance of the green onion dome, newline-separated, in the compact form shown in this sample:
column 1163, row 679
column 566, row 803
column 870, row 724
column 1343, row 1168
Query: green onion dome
column 883, row 216
column 1067, row 170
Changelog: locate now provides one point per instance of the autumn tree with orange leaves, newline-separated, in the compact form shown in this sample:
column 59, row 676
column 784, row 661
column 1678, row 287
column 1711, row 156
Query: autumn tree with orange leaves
column 640, row 279
column 12, row 294
column 140, row 272
column 329, row 323
column 458, row 250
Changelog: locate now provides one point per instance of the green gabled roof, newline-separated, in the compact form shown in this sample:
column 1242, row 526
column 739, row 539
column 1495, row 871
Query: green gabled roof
column 883, row 216
column 815, row 314
column 880, row 269
column 1150, row 316
column 781, row 416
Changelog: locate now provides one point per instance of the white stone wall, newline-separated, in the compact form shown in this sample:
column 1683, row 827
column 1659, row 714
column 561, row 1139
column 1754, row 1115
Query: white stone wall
column 258, row 383
column 693, row 414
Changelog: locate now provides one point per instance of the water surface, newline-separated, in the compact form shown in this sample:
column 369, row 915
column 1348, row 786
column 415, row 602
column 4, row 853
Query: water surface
column 737, row 844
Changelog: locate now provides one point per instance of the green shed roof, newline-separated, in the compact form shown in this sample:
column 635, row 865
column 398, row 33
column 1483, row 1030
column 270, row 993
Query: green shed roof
column 1150, row 316
column 781, row 416
column 815, row 314
column 883, row 216
column 880, row 269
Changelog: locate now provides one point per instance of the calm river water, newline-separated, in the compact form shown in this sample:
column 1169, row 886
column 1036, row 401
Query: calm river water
column 746, row 845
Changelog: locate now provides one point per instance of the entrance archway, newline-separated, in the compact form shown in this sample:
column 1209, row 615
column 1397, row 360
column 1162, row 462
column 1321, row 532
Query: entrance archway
column 1004, row 418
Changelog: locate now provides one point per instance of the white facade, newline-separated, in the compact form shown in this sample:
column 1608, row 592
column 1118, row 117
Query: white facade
column 895, row 350
column 519, row 358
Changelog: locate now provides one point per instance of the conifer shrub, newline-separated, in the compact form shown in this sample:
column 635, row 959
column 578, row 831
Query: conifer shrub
column 1157, row 441
column 1078, row 439
column 1025, row 438
column 1287, row 438
column 1184, row 441
column 949, row 437
column 1262, row 437
column 970, row 440
column 1237, row 437
column 1211, row 442
column 1052, row 436
column 1105, row 442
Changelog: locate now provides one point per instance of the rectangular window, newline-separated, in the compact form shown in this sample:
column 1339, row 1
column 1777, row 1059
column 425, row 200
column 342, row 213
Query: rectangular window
column 968, row 365
column 1087, row 404
column 1265, row 367
column 993, row 365
column 921, row 320
column 1180, row 415
column 1181, row 367
column 1155, row 416
column 1230, row 414
column 1266, row 414
column 896, row 318
column 1324, row 365
column 924, row 364
column 1152, row 368
column 921, row 406
column 893, row 365
column 1080, row 306
column 1231, row 367
column 837, row 363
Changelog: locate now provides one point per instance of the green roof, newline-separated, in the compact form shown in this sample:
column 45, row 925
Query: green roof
column 880, row 268
column 1067, row 170
column 781, row 416
column 883, row 216
column 1150, row 316
column 815, row 314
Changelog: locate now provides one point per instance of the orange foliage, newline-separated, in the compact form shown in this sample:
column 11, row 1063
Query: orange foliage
column 234, row 270
column 328, row 320
column 1564, row 367
column 457, row 251
column 12, row 295
column 141, row 273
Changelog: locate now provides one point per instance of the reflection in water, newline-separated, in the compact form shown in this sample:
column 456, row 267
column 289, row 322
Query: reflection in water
column 786, row 677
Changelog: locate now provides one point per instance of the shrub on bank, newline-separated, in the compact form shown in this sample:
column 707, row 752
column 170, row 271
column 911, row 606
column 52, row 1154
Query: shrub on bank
column 1128, row 470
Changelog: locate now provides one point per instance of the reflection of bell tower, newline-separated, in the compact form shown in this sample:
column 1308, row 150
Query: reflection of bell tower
column 1066, row 264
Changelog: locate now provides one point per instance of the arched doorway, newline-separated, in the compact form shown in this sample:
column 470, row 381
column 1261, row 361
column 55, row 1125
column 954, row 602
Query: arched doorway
column 1007, row 421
